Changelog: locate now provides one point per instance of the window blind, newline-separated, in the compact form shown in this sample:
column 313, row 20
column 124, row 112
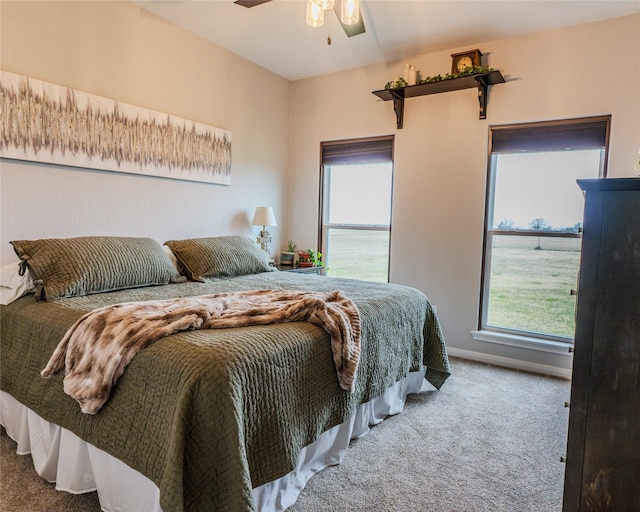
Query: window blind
column 581, row 133
column 358, row 151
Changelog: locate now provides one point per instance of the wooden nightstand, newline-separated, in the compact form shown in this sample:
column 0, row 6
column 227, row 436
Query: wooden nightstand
column 301, row 270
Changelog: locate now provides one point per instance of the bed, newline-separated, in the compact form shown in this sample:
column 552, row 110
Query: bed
column 231, row 419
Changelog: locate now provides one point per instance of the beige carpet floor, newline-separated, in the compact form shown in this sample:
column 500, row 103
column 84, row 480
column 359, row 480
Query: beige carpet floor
column 489, row 441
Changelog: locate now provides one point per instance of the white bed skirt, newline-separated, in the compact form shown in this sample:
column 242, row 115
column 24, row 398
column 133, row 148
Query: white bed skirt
column 76, row 466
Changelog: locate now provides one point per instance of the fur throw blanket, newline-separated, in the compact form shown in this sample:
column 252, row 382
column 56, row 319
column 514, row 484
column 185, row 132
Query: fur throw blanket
column 96, row 350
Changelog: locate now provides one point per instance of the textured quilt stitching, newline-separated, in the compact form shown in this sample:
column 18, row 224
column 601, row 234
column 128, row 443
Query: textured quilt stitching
column 96, row 350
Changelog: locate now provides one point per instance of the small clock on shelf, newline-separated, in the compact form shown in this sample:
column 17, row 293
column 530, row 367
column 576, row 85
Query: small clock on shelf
column 461, row 61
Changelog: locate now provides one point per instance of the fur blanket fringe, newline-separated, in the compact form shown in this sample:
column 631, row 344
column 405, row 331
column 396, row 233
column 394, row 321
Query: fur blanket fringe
column 96, row 350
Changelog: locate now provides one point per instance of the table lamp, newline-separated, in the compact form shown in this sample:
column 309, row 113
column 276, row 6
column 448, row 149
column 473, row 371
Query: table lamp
column 264, row 217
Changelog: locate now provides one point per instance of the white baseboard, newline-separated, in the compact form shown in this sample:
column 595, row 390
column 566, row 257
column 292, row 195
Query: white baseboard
column 507, row 362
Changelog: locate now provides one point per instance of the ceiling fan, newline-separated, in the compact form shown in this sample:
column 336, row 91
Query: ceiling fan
column 350, row 30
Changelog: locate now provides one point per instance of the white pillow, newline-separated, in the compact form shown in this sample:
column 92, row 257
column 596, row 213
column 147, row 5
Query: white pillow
column 172, row 256
column 13, row 285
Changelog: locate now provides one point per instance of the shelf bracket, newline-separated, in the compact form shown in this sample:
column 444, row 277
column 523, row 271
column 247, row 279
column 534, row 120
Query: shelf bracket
column 483, row 91
column 398, row 106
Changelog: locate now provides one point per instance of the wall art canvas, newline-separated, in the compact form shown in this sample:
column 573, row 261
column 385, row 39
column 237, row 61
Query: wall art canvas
column 44, row 122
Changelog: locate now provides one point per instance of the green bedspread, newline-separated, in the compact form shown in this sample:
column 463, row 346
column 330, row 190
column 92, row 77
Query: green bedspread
column 208, row 415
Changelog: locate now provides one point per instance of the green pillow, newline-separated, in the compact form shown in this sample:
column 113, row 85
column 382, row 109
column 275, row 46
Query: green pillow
column 71, row 267
column 223, row 256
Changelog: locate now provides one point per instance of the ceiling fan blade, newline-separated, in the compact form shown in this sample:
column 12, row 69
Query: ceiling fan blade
column 250, row 3
column 354, row 30
column 350, row 30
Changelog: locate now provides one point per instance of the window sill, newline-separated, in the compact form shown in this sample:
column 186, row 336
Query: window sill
column 513, row 340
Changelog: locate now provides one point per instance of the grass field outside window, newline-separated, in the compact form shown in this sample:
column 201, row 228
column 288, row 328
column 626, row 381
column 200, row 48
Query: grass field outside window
column 530, row 286
column 359, row 254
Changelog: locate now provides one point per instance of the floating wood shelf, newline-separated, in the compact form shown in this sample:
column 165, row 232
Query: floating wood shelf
column 481, row 82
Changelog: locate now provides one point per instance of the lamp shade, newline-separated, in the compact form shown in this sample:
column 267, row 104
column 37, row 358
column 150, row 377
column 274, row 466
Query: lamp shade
column 315, row 14
column 264, row 217
column 350, row 12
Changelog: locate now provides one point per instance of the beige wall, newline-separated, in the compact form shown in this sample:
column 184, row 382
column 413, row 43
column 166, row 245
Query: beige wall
column 441, row 153
column 119, row 51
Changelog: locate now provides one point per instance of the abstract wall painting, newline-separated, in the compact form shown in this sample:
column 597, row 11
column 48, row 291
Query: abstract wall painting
column 44, row 122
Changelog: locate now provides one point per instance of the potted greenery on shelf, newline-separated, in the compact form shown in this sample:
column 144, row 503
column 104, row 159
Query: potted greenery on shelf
column 288, row 257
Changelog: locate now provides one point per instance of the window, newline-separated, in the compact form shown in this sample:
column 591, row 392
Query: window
column 533, row 224
column 355, row 207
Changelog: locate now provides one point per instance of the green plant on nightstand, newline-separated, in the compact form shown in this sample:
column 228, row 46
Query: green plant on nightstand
column 288, row 257
column 310, row 258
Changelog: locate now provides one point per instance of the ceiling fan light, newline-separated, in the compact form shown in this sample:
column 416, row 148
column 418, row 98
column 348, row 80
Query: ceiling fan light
column 315, row 14
column 324, row 4
column 350, row 12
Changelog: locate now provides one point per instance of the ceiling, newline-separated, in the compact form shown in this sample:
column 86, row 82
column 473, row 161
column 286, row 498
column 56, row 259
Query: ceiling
column 275, row 36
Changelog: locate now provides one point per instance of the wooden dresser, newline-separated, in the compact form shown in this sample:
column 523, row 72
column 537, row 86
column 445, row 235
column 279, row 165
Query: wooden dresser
column 603, row 447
